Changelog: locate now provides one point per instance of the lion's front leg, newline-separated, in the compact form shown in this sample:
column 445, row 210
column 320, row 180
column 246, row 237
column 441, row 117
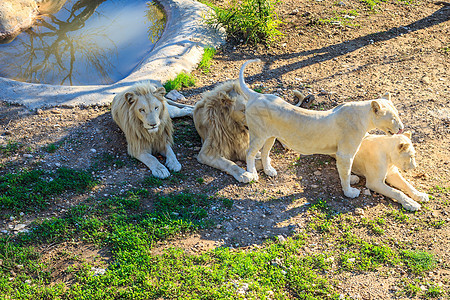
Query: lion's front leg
column 158, row 169
column 344, row 165
column 395, row 179
column 254, row 146
column 382, row 188
column 225, row 165
column 171, row 159
column 265, row 159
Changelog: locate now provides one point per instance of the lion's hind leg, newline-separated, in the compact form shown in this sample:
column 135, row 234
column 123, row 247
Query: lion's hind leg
column 158, row 169
column 265, row 159
column 395, row 179
column 344, row 164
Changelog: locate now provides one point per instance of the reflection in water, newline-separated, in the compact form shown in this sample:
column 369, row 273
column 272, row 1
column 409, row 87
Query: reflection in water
column 87, row 42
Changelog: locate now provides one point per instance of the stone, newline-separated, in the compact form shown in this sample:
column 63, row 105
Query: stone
column 98, row 271
column 19, row 227
column 281, row 238
column 175, row 95
column 314, row 186
column 359, row 211
column 93, row 150
column 366, row 192
column 317, row 173
column 28, row 155
column 15, row 17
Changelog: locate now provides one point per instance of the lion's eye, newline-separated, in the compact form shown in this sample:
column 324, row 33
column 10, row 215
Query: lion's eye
column 156, row 108
column 141, row 110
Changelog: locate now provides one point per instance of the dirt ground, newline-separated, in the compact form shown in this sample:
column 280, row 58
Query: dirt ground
column 397, row 48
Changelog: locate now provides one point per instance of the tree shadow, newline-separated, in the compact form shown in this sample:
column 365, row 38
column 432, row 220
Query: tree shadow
column 327, row 53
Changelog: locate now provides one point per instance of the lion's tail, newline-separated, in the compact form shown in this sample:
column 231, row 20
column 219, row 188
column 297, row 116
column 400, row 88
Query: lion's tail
column 245, row 89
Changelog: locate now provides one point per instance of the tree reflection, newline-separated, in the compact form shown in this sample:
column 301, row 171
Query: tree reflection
column 66, row 49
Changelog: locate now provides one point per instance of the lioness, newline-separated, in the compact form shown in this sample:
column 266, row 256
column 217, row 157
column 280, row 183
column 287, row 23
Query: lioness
column 141, row 113
column 379, row 159
column 337, row 131
column 219, row 118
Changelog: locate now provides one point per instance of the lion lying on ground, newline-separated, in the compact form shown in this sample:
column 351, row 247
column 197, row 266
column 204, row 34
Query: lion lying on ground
column 219, row 118
column 141, row 113
column 379, row 159
column 338, row 131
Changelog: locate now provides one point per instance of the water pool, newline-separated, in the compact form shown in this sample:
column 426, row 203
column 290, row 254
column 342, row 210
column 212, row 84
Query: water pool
column 88, row 42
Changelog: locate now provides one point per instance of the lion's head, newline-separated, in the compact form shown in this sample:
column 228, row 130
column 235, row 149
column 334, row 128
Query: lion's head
column 141, row 113
column 404, row 157
column 220, row 117
column 386, row 115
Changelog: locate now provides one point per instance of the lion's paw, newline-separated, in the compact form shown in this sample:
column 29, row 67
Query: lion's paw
column 422, row 197
column 354, row 179
column 351, row 193
column 411, row 205
column 270, row 171
column 160, row 172
column 173, row 165
column 247, row 177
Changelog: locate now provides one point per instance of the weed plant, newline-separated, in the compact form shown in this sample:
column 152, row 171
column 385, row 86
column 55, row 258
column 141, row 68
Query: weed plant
column 205, row 63
column 182, row 80
column 254, row 21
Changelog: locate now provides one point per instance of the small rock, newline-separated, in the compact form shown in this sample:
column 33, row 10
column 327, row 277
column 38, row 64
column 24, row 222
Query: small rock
column 314, row 186
column 11, row 218
column 21, row 214
column 98, row 271
column 58, row 165
column 28, row 281
column 426, row 80
column 341, row 3
column 175, row 95
column 366, row 192
column 26, row 155
column 352, row 259
column 93, row 150
column 39, row 112
column 359, row 211
column 317, row 173
column 19, row 227
column 55, row 111
column 19, row 267
column 281, row 238
column 341, row 296
column 294, row 12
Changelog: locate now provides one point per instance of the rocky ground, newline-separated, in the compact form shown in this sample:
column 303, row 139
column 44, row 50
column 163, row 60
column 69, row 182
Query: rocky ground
column 326, row 51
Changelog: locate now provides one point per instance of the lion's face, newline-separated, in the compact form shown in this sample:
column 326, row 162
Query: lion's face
column 386, row 116
column 147, row 108
column 405, row 155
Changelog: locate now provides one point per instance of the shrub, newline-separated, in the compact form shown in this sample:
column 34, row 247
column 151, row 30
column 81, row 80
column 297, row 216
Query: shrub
column 254, row 21
column 182, row 80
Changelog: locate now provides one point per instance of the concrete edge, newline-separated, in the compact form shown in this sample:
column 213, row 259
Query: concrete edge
column 179, row 49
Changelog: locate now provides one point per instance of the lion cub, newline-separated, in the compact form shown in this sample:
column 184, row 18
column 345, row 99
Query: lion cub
column 141, row 113
column 379, row 159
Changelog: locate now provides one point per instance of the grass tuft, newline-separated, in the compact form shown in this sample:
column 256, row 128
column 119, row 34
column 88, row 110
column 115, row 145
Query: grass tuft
column 182, row 80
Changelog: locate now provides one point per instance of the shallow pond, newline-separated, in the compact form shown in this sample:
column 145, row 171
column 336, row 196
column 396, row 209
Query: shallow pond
column 87, row 42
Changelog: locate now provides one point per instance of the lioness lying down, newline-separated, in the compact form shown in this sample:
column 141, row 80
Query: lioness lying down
column 338, row 131
column 220, row 121
column 379, row 159
column 141, row 113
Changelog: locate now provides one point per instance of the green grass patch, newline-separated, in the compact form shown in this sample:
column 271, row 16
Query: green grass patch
column 254, row 21
column 205, row 63
column 11, row 147
column 51, row 148
column 33, row 190
column 182, row 80
column 418, row 261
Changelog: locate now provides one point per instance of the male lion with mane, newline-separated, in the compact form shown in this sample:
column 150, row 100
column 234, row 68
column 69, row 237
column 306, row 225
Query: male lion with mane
column 219, row 118
column 141, row 113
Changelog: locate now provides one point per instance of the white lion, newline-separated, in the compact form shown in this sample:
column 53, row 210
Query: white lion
column 379, row 159
column 141, row 112
column 219, row 118
column 338, row 131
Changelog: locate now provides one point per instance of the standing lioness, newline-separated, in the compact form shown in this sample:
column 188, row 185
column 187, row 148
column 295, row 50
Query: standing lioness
column 338, row 131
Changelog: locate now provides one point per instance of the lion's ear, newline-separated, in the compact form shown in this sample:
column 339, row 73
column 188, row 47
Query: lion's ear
column 387, row 96
column 403, row 147
column 130, row 97
column 161, row 91
column 408, row 134
column 375, row 106
column 225, row 98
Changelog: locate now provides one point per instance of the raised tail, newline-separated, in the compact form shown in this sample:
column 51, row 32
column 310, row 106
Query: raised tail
column 244, row 88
